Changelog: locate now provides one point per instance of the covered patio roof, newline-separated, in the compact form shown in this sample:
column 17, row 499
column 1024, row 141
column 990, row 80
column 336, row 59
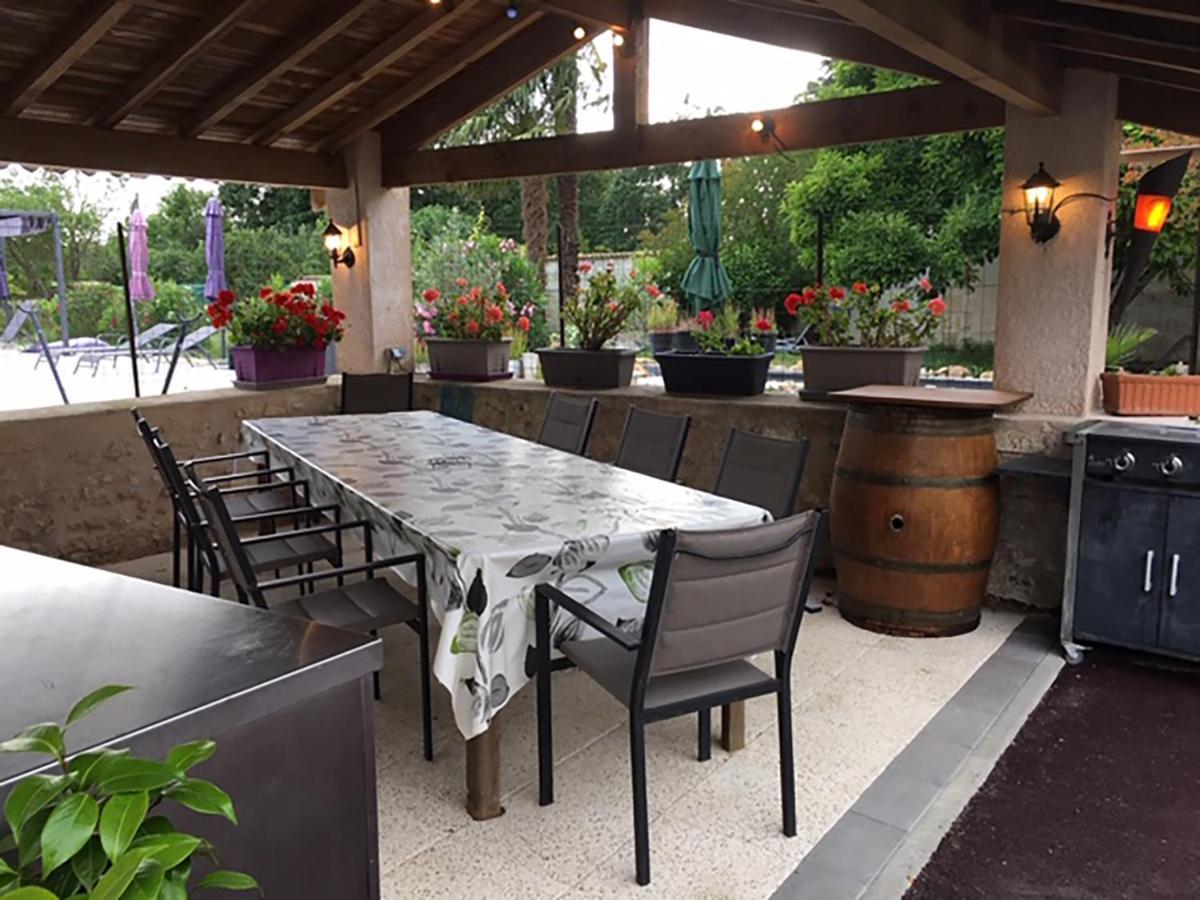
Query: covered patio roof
column 271, row 90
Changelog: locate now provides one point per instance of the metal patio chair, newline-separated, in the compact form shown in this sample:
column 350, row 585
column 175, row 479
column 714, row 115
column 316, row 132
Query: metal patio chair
column 376, row 393
column 365, row 606
column 762, row 471
column 568, row 423
column 717, row 598
column 652, row 443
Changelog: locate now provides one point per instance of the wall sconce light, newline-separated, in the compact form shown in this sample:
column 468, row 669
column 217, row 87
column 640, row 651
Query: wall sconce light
column 1040, row 211
column 333, row 245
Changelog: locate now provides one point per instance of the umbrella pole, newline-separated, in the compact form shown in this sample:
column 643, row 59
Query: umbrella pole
column 562, row 291
column 129, row 316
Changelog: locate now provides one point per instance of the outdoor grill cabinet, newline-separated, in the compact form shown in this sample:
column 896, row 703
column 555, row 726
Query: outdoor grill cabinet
column 1133, row 579
column 289, row 704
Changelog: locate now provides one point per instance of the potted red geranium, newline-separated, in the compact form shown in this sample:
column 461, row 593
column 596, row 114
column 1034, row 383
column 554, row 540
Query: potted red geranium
column 279, row 335
column 468, row 335
column 727, row 360
column 865, row 335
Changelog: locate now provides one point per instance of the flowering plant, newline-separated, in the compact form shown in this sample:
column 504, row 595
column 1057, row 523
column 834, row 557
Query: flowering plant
column 901, row 317
column 279, row 320
column 599, row 309
column 475, row 314
column 721, row 333
column 762, row 321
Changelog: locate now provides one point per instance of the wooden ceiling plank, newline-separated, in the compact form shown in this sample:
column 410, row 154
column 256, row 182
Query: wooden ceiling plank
column 955, row 106
column 1175, row 10
column 1186, row 81
column 1099, row 45
column 962, row 37
column 1079, row 19
column 65, row 51
column 1158, row 106
column 376, row 61
column 328, row 21
column 595, row 13
column 34, row 143
column 449, row 66
column 200, row 37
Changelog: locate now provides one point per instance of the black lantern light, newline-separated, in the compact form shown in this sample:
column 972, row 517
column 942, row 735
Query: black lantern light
column 1040, row 211
column 333, row 245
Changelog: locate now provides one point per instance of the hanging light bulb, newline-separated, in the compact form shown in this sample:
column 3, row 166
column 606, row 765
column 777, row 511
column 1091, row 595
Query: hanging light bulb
column 618, row 39
column 511, row 11
column 580, row 32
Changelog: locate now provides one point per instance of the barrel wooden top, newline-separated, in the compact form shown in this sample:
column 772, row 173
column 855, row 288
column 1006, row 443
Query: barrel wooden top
column 932, row 397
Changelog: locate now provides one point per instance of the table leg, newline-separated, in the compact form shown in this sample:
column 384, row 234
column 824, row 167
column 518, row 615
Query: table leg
column 733, row 726
column 483, row 773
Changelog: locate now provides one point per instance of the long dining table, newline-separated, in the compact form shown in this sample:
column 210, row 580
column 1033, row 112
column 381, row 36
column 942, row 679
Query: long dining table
column 494, row 515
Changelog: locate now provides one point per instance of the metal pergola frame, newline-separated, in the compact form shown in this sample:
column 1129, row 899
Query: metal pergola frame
column 56, row 227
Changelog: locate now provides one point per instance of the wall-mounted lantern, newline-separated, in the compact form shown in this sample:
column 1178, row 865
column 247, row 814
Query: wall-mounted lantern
column 1040, row 211
column 1151, row 211
column 334, row 243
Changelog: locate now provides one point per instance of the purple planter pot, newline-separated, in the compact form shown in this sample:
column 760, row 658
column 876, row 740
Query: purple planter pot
column 262, row 364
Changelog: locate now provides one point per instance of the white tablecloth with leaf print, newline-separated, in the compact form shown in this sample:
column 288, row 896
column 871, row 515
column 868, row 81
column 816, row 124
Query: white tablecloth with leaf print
column 480, row 504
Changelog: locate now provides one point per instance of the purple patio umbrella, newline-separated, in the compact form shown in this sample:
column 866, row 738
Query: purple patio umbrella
column 140, row 287
column 214, row 248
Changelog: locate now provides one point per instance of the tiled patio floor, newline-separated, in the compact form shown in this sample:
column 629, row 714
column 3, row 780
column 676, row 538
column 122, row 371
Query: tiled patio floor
column 859, row 698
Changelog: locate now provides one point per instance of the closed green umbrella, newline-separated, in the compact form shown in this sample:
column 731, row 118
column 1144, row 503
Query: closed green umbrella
column 705, row 281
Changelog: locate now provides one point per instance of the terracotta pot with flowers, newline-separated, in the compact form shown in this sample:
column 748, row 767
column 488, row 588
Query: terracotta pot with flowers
column 865, row 335
column 469, row 335
column 597, row 313
column 727, row 359
column 278, row 336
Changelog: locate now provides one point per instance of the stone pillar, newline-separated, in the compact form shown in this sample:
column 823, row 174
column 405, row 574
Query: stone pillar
column 376, row 294
column 1052, row 302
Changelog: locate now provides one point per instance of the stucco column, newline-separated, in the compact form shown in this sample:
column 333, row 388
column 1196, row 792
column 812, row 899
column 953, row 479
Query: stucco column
column 1052, row 302
column 376, row 294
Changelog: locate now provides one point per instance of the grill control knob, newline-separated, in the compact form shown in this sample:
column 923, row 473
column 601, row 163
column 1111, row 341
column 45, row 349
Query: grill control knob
column 1124, row 462
column 1170, row 465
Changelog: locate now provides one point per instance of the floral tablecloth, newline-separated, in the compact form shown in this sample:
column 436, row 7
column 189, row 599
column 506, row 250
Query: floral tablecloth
column 494, row 516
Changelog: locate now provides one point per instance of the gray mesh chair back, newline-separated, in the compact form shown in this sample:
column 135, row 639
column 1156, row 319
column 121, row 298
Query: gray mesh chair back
column 568, row 423
column 376, row 393
column 652, row 443
column 223, row 531
column 762, row 471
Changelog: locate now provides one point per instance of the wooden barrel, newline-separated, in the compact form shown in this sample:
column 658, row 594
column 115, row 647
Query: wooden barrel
column 913, row 516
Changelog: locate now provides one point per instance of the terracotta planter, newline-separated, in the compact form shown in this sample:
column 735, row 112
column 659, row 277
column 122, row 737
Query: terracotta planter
column 261, row 364
column 451, row 359
column 714, row 373
column 828, row 369
column 1128, row 394
column 594, row 370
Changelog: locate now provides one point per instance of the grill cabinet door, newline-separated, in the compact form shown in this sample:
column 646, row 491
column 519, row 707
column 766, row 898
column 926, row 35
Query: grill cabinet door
column 1179, row 629
column 1120, row 575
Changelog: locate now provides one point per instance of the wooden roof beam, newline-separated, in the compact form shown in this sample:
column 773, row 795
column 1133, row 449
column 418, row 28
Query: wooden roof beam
column 416, row 88
column 955, row 106
column 962, row 37
column 1188, row 81
column 539, row 46
column 1118, row 48
column 327, row 22
column 207, row 31
column 54, row 60
column 1177, row 10
column 32, row 143
column 1158, row 106
column 419, row 29
column 1080, row 19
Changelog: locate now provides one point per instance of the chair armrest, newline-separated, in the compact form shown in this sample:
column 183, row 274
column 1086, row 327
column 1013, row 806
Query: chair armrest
column 305, row 532
column 588, row 616
column 239, row 476
column 391, row 562
column 224, row 457
column 290, row 511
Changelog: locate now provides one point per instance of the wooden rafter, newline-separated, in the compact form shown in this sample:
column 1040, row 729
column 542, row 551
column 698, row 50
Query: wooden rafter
column 963, row 38
column 208, row 30
column 1158, row 106
column 539, row 46
column 1177, row 10
column 595, row 13
column 796, row 30
column 419, row 29
column 445, row 69
column 66, row 49
column 955, row 106
column 29, row 142
column 1120, row 48
column 328, row 21
column 1189, row 81
column 1081, row 20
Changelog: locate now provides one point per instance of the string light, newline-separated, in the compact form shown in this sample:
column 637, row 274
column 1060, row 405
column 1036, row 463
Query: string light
column 618, row 39
column 580, row 32
column 511, row 11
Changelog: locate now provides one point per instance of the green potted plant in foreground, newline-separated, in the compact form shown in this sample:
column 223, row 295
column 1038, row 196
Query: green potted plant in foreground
column 469, row 335
column 727, row 361
column 86, row 830
column 597, row 313
column 865, row 335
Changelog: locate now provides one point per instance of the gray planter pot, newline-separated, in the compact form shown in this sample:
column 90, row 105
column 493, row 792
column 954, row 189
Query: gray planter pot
column 451, row 359
column 594, row 370
column 828, row 369
column 661, row 341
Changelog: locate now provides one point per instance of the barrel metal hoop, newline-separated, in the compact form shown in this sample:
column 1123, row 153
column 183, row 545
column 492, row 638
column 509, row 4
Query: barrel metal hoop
column 896, row 565
column 914, row 481
column 887, row 420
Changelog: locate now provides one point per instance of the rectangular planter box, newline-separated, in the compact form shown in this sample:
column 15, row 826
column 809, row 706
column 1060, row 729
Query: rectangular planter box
column 451, row 359
column 1129, row 394
column 260, row 364
column 594, row 370
column 828, row 369
column 711, row 373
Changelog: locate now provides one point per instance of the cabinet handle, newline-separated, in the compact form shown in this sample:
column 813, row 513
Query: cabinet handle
column 1174, row 574
column 1147, row 577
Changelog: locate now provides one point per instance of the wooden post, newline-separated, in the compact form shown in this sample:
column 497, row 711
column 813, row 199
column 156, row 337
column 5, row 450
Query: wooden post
column 483, row 773
column 631, row 78
column 733, row 726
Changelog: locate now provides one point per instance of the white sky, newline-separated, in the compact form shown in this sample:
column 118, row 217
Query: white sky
column 692, row 73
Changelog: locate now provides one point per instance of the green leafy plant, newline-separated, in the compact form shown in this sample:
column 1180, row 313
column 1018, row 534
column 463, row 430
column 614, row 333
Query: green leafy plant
column 1123, row 343
column 662, row 315
column 721, row 333
column 86, row 833
column 868, row 316
column 600, row 308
